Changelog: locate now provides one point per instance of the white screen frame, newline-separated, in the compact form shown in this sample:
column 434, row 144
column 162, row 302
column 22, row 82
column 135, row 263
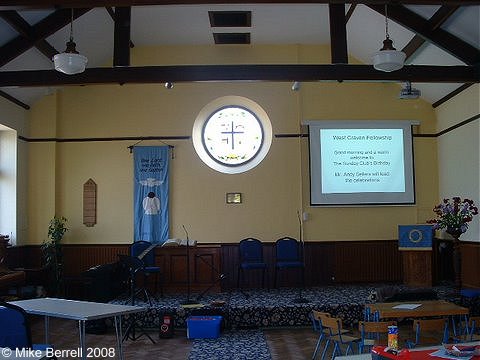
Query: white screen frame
column 320, row 198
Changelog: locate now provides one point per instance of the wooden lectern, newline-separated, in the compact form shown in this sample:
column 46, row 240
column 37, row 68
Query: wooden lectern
column 415, row 244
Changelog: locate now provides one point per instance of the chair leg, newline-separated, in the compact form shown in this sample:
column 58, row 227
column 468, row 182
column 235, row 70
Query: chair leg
column 156, row 284
column 263, row 278
column 238, row 277
column 275, row 270
column 161, row 284
column 324, row 352
column 317, row 346
column 303, row 276
column 336, row 351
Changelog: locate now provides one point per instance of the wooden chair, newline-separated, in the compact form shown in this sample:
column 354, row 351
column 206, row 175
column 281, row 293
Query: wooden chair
column 316, row 317
column 323, row 333
column 337, row 335
column 467, row 330
column 369, row 315
column 373, row 333
column 429, row 332
column 474, row 328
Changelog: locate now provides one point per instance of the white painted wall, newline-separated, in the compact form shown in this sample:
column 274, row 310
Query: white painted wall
column 458, row 152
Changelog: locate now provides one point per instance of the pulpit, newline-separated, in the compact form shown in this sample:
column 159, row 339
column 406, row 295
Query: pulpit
column 415, row 244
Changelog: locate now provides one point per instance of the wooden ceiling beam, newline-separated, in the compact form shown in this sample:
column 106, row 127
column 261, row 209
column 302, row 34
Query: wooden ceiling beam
column 43, row 29
column 350, row 11
column 121, row 37
column 440, row 16
column 205, row 73
column 14, row 100
column 111, row 12
column 338, row 34
column 25, row 30
column 453, row 45
column 451, row 94
column 36, row 4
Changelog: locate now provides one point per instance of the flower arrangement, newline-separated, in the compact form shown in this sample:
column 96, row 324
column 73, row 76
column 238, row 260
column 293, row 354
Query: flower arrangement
column 453, row 215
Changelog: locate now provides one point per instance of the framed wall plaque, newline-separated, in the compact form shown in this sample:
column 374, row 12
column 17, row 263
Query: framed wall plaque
column 90, row 203
column 234, row 198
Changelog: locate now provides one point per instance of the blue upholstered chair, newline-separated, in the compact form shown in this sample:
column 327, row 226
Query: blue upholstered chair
column 288, row 256
column 251, row 258
column 149, row 267
column 15, row 330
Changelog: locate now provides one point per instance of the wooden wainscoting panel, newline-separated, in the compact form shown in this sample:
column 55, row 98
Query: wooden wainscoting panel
column 319, row 263
column 470, row 264
column 207, row 265
column 229, row 260
column 326, row 262
column 79, row 258
column 177, row 268
column 367, row 261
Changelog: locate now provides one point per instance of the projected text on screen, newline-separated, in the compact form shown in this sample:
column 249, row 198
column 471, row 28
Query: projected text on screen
column 362, row 160
column 358, row 162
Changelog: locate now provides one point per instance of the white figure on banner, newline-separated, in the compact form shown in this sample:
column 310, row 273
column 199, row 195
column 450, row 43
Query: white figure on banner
column 151, row 182
column 151, row 204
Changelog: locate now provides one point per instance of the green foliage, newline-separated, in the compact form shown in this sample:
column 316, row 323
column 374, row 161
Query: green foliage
column 57, row 228
column 52, row 249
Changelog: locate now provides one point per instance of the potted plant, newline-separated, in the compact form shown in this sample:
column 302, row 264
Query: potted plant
column 453, row 216
column 52, row 251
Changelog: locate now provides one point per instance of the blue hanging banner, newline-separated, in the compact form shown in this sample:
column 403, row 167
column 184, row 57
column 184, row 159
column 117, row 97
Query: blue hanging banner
column 150, row 193
column 415, row 237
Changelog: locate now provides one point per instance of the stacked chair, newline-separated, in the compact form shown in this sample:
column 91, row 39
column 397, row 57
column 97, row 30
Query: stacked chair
column 330, row 329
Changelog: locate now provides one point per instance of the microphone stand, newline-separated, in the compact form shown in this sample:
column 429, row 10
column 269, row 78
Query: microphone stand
column 300, row 299
column 188, row 301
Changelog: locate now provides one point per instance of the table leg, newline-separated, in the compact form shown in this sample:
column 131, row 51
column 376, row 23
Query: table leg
column 118, row 332
column 47, row 323
column 83, row 346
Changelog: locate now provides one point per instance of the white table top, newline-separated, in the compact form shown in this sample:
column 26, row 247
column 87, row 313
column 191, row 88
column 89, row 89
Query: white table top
column 74, row 309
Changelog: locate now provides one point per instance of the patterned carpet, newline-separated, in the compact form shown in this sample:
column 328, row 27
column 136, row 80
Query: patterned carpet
column 266, row 308
column 232, row 345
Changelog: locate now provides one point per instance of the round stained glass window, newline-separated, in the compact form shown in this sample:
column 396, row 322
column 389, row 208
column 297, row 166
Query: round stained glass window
column 232, row 134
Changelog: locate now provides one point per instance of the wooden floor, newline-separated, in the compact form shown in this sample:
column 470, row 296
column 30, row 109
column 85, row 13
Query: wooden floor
column 291, row 343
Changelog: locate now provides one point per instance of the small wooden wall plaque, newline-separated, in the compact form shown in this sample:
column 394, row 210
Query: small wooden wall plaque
column 89, row 203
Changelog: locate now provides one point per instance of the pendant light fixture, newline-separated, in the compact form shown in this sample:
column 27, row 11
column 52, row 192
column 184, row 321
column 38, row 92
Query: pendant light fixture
column 70, row 61
column 388, row 59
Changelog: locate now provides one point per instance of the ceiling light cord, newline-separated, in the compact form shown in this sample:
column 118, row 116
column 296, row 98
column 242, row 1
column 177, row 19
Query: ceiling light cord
column 71, row 25
column 386, row 23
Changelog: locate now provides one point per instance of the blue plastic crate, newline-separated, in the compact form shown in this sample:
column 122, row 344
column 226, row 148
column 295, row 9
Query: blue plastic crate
column 203, row 327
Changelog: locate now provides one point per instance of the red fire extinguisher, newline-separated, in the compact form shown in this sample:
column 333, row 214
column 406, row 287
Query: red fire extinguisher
column 166, row 326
